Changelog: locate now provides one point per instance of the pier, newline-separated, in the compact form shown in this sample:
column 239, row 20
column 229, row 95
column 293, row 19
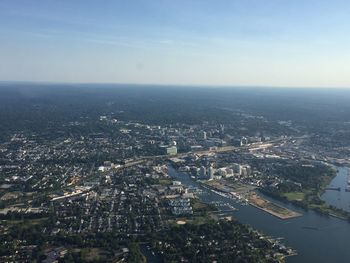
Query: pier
column 333, row 188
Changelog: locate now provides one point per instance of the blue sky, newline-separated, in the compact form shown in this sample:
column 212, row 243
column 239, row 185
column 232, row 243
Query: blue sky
column 210, row 42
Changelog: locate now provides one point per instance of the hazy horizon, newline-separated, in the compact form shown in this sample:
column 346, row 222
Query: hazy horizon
column 219, row 86
column 162, row 42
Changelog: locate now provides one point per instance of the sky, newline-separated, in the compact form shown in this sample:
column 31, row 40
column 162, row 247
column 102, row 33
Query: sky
column 294, row 43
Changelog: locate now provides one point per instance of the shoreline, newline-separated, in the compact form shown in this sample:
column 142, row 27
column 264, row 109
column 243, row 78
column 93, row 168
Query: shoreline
column 263, row 204
column 319, row 192
column 268, row 206
column 276, row 214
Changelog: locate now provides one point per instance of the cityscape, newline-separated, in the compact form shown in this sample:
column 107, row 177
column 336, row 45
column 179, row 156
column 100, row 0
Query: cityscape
column 110, row 187
column 163, row 131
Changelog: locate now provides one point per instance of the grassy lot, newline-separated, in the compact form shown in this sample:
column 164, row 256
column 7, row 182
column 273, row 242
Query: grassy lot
column 200, row 214
column 195, row 220
column 295, row 196
column 200, row 207
column 310, row 198
column 199, row 220
column 165, row 181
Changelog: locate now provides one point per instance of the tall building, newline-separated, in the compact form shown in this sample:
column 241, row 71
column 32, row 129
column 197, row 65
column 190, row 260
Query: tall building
column 211, row 172
column 204, row 135
column 237, row 168
column 222, row 128
column 203, row 172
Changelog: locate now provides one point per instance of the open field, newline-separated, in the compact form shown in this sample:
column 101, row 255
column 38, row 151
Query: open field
column 294, row 196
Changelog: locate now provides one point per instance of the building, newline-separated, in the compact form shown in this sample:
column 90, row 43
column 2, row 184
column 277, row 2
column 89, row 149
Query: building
column 211, row 172
column 222, row 128
column 237, row 168
column 222, row 172
column 229, row 172
column 172, row 150
column 180, row 206
column 244, row 141
column 168, row 150
column 246, row 170
column 203, row 172
column 204, row 135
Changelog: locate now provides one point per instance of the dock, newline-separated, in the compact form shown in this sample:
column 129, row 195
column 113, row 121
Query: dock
column 271, row 208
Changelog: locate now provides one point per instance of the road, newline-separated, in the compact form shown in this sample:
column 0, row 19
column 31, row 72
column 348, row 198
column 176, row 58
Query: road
column 143, row 159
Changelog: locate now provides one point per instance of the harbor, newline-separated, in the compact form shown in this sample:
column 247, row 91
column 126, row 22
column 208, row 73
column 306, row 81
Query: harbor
column 247, row 194
column 315, row 238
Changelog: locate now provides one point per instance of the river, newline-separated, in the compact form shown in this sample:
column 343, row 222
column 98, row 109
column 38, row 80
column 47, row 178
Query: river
column 339, row 199
column 316, row 238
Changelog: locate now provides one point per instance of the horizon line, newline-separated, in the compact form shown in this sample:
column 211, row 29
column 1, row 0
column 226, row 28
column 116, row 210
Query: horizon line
column 248, row 86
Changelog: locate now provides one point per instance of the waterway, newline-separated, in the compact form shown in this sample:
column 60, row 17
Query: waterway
column 339, row 199
column 316, row 238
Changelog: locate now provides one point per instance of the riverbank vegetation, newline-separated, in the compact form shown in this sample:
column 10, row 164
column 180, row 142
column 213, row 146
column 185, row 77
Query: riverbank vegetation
column 303, row 186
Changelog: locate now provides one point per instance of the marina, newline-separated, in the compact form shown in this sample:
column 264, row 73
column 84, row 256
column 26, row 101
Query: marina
column 316, row 238
column 245, row 194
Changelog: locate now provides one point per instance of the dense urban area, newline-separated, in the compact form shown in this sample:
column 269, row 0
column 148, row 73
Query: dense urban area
column 86, row 172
